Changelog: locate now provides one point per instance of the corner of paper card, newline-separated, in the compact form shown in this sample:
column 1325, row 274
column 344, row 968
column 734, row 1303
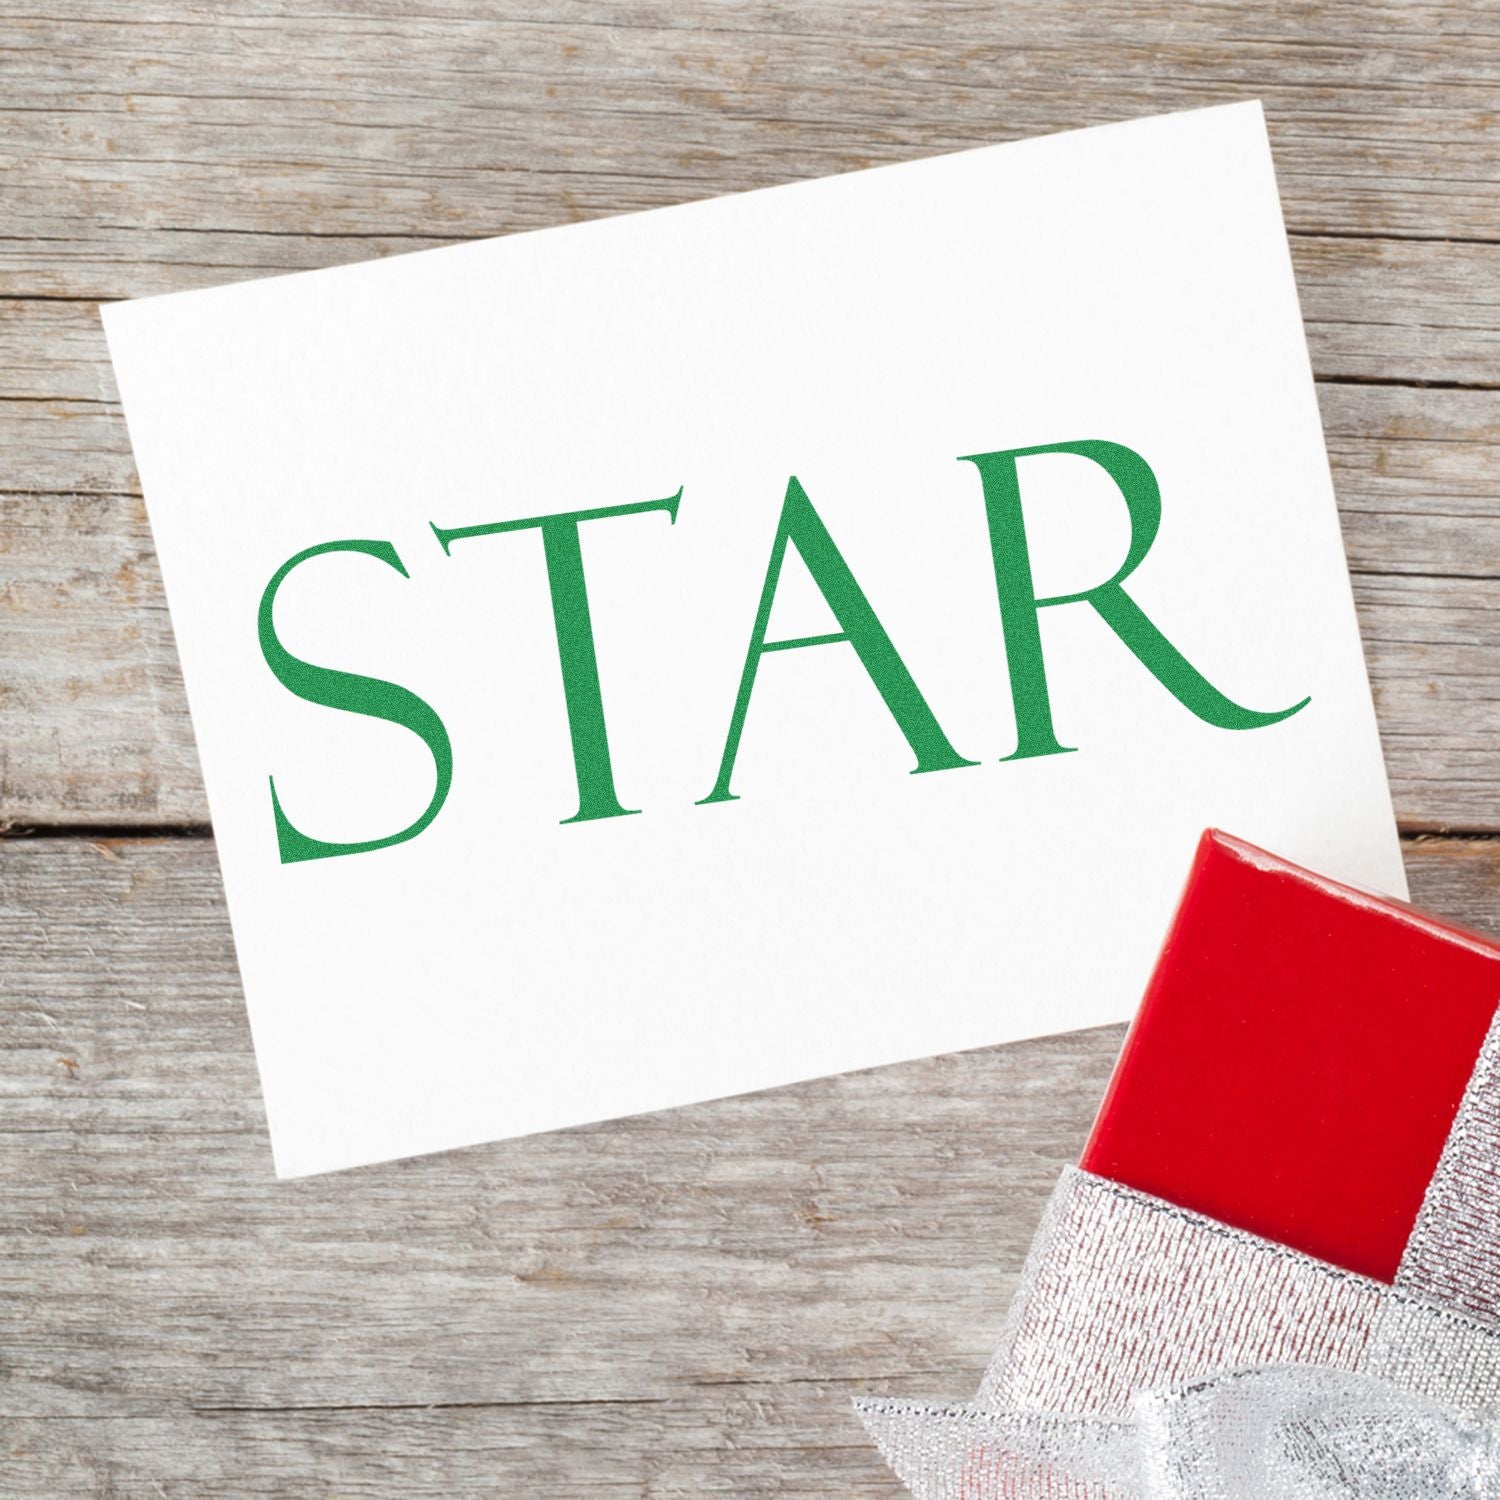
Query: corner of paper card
column 109, row 313
column 120, row 318
column 116, row 318
column 1255, row 106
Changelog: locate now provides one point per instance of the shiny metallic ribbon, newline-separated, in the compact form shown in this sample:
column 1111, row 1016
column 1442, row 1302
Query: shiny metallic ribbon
column 1145, row 1344
column 1281, row 1433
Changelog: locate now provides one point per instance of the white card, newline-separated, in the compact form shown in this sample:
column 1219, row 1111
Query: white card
column 836, row 376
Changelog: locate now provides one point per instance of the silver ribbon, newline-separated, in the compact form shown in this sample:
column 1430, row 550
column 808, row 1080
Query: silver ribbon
column 1315, row 1434
column 1151, row 1353
column 1293, row 1432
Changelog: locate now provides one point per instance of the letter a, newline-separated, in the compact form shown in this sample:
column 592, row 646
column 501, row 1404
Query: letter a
column 801, row 525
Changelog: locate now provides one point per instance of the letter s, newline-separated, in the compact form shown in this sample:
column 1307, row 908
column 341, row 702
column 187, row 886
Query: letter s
column 353, row 694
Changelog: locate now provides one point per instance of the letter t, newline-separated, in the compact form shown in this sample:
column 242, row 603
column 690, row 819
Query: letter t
column 575, row 641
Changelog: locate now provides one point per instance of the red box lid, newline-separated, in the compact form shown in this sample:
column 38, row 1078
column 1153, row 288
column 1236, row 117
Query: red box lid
column 1298, row 1058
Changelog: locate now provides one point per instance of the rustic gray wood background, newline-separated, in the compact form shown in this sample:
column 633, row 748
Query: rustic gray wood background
column 685, row 1303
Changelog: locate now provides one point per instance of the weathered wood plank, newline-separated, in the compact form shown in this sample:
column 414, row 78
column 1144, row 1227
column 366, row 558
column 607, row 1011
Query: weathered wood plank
column 1415, row 475
column 94, row 728
column 1400, row 310
column 1430, row 646
column 731, row 1441
column 674, row 1304
column 382, row 117
column 1376, row 310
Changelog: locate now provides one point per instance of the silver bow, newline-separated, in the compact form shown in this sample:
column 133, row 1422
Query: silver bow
column 1313, row 1433
column 1151, row 1353
column 1276, row 1433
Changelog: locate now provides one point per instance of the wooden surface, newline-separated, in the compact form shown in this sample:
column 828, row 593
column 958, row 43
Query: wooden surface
column 681, row 1304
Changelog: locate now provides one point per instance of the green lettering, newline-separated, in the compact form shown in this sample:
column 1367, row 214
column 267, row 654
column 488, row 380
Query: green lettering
column 1019, row 605
column 801, row 525
column 355, row 695
column 575, row 642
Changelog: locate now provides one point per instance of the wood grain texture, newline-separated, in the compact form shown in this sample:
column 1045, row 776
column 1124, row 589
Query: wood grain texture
column 677, row 1304
column 684, row 1303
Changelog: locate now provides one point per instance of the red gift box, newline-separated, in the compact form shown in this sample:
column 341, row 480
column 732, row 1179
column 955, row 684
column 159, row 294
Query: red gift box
column 1298, row 1059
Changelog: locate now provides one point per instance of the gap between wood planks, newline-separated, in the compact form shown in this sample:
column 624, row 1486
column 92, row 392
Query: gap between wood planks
column 439, row 241
column 1410, row 830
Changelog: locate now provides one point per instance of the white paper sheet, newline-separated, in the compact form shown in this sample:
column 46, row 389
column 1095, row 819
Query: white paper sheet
column 505, row 970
